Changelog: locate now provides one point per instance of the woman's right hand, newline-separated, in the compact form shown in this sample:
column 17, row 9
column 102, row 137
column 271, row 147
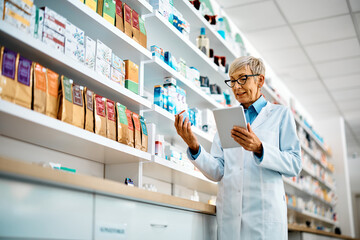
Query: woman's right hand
column 183, row 128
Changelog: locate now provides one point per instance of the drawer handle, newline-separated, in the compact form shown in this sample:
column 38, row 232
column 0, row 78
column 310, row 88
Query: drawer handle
column 159, row 225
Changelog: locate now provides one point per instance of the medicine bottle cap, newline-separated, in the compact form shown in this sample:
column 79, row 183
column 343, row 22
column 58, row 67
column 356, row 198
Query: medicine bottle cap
column 202, row 31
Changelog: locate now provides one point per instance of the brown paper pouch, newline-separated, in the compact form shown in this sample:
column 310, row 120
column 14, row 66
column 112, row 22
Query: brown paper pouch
column 127, row 20
column 52, row 86
column 137, row 137
column 122, row 125
column 144, row 135
column 89, row 109
column 78, row 106
column 119, row 19
column 8, row 74
column 130, row 128
column 110, row 120
column 66, row 114
column 100, row 6
column 135, row 26
column 100, row 116
column 39, row 92
column 23, row 93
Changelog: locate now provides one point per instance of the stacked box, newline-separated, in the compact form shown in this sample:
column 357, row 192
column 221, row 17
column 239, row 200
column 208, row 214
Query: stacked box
column 17, row 17
column 102, row 67
column 103, row 52
column 157, row 52
column 54, row 21
column 74, row 43
column 117, row 70
column 90, row 52
column 53, row 39
column 25, row 5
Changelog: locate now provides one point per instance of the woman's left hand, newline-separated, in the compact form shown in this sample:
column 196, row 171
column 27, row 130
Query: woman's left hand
column 247, row 139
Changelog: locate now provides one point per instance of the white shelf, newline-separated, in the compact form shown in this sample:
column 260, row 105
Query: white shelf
column 270, row 94
column 168, row 171
column 306, row 170
column 299, row 188
column 29, row 126
column 96, row 27
column 313, row 216
column 156, row 70
column 165, row 125
column 38, row 51
column 197, row 21
column 158, row 27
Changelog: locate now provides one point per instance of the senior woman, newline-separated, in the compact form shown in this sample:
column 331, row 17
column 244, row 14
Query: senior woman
column 251, row 200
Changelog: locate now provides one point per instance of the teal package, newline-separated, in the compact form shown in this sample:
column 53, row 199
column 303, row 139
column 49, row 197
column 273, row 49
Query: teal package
column 165, row 98
column 171, row 96
column 159, row 96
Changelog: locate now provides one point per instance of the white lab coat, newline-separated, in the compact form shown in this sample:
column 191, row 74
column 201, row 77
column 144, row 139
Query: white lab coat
column 251, row 200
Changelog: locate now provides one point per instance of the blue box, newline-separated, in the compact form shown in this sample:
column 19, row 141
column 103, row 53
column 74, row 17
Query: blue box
column 159, row 96
column 157, row 52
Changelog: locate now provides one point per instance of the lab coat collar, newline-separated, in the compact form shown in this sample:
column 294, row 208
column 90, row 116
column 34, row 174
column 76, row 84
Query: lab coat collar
column 264, row 113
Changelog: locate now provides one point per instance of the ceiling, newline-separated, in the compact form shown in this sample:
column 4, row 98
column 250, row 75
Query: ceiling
column 314, row 47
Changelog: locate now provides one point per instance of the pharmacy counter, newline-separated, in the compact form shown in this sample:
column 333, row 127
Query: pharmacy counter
column 304, row 233
column 40, row 202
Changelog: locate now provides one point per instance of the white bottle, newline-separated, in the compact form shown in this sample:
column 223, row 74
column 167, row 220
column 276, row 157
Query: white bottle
column 203, row 42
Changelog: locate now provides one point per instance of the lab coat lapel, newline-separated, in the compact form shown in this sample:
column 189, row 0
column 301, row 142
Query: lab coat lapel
column 263, row 115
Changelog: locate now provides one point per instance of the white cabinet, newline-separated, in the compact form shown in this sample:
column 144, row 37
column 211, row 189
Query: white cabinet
column 148, row 221
column 43, row 212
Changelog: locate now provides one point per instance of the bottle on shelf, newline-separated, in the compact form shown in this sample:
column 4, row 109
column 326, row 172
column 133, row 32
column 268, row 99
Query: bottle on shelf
column 203, row 42
column 221, row 28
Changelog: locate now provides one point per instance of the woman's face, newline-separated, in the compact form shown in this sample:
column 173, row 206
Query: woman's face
column 248, row 93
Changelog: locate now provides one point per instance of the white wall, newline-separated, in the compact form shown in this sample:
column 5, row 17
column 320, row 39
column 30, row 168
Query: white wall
column 334, row 132
column 354, row 166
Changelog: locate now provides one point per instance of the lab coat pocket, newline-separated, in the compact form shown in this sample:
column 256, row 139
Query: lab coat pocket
column 274, row 207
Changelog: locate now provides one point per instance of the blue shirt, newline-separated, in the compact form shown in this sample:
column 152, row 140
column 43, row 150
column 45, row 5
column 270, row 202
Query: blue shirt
column 250, row 114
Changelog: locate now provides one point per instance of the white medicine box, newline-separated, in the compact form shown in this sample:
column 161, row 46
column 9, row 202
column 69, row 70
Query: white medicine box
column 103, row 52
column 90, row 52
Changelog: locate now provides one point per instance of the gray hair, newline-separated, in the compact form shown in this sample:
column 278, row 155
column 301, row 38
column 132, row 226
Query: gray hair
column 256, row 65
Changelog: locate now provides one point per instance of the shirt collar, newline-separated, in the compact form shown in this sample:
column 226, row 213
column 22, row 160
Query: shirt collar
column 258, row 104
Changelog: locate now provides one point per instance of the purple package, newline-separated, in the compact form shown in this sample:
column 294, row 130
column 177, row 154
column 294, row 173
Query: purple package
column 24, row 70
column 8, row 64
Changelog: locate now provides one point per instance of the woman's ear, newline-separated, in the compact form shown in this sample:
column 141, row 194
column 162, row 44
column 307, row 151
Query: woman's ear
column 261, row 80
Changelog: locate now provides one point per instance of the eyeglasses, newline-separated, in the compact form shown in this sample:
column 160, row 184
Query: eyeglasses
column 241, row 80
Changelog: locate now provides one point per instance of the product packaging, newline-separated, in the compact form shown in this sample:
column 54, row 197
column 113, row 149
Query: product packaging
column 135, row 26
column 39, row 99
column 100, row 115
column 23, row 92
column 118, row 63
column 16, row 17
column 65, row 96
column 92, row 4
column 103, row 68
column 131, row 71
column 122, row 125
column 159, row 96
column 117, row 77
column 90, row 52
column 8, row 74
column 130, row 128
column 37, row 22
column 103, row 52
column 132, row 86
column 144, row 135
column 127, row 20
column 74, row 33
column 110, row 120
column 54, row 21
column 157, row 52
column 108, row 11
column 25, row 5
column 53, row 39
column 137, row 126
column 52, row 87
column 89, row 109
column 119, row 19
column 143, row 37
column 74, row 50
column 78, row 106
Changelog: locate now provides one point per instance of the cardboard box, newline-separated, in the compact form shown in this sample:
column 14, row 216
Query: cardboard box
column 25, row 5
column 143, row 37
column 131, row 71
column 37, row 22
column 108, row 12
column 157, row 52
column 103, row 52
column 74, row 33
column 135, row 26
column 53, row 39
column 117, row 76
column 118, row 64
column 54, row 20
column 132, row 86
column 74, row 50
column 16, row 17
column 92, row 4
column 103, row 68
column 127, row 13
column 90, row 52
column 119, row 17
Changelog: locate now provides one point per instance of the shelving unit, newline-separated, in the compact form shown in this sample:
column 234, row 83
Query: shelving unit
column 309, row 215
column 29, row 126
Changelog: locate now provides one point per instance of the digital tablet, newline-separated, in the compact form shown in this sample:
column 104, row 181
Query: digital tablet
column 225, row 119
